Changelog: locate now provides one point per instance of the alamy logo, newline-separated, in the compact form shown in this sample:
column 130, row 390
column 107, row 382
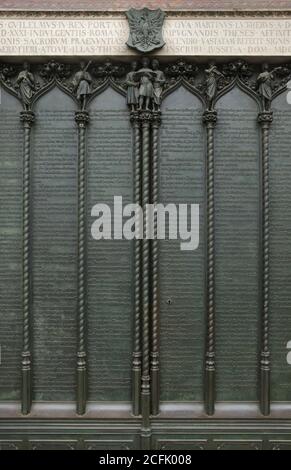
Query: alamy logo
column 131, row 221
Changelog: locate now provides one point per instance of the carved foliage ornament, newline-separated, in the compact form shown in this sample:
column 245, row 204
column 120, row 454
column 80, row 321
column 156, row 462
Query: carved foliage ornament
column 145, row 29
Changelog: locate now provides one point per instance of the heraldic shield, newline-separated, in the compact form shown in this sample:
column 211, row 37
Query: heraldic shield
column 145, row 29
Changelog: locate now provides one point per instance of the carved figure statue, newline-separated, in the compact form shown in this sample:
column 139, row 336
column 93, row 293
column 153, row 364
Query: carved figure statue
column 146, row 90
column 82, row 84
column 213, row 75
column 132, row 87
column 26, row 85
column 264, row 84
column 159, row 82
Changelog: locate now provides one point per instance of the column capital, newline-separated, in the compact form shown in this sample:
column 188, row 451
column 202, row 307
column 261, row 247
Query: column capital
column 82, row 118
column 157, row 118
column 135, row 117
column 146, row 117
column 27, row 117
column 209, row 117
column 265, row 117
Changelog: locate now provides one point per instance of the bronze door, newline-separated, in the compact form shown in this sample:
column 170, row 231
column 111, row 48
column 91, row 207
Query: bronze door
column 119, row 344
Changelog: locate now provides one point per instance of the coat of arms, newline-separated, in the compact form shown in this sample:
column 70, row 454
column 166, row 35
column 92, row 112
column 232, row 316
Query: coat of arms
column 145, row 29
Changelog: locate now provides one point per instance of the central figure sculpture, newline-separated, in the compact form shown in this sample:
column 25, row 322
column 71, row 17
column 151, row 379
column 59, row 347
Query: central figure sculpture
column 145, row 86
column 146, row 89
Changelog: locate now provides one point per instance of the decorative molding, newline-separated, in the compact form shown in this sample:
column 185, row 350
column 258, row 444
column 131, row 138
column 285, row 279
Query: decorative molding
column 146, row 124
column 63, row 75
column 115, row 435
column 203, row 80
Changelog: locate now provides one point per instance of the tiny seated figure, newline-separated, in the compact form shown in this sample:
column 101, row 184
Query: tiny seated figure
column 26, row 85
column 132, row 87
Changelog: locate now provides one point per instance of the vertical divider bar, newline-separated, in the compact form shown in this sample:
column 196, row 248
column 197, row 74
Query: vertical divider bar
column 154, row 367
column 82, row 119
column 27, row 117
column 146, row 117
column 136, row 356
column 265, row 119
column 210, row 119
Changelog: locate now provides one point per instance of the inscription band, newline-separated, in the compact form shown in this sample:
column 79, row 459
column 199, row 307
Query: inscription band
column 105, row 36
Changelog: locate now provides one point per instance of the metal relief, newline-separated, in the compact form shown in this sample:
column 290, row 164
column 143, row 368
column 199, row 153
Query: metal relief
column 145, row 86
column 145, row 83
column 28, row 82
column 145, row 29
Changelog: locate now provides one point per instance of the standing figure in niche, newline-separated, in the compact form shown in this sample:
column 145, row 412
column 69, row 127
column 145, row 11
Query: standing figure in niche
column 82, row 84
column 159, row 82
column 264, row 84
column 146, row 89
column 132, row 87
column 26, row 85
column 213, row 75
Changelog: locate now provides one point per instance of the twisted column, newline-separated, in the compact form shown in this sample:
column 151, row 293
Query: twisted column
column 136, row 356
column 154, row 366
column 82, row 119
column 265, row 119
column 27, row 118
column 209, row 119
column 146, row 118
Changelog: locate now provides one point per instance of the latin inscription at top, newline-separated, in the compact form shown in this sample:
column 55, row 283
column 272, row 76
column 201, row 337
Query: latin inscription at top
column 107, row 36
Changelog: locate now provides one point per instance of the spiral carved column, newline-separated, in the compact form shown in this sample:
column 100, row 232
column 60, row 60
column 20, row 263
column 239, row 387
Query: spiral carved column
column 154, row 367
column 27, row 117
column 265, row 119
column 146, row 117
column 209, row 119
column 82, row 119
column 136, row 357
